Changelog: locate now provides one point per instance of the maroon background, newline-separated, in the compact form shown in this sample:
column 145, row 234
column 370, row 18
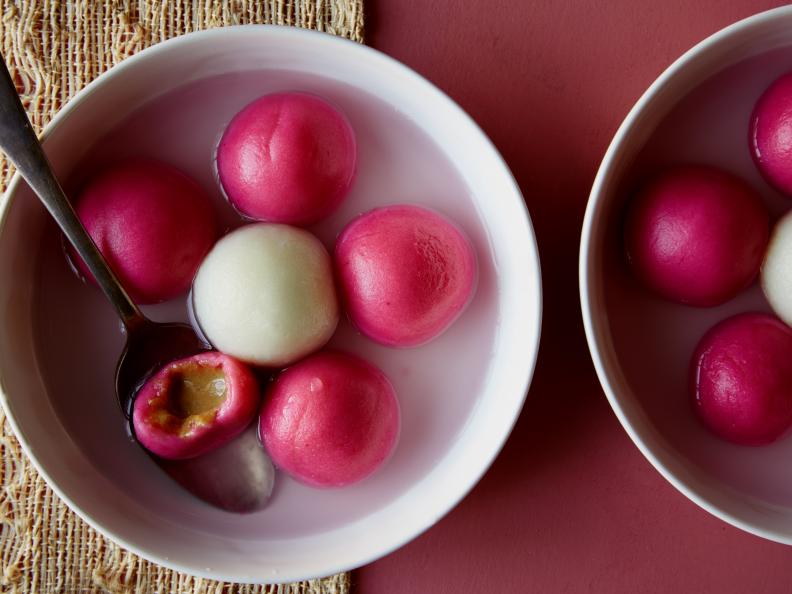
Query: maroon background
column 570, row 505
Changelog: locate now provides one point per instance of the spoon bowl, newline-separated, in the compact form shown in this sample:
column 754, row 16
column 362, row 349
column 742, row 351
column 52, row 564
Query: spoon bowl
column 148, row 347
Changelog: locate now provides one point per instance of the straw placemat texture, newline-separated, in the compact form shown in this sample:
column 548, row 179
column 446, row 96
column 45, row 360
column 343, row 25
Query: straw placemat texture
column 53, row 49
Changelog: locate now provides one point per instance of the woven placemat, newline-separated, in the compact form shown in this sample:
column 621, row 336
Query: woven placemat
column 53, row 49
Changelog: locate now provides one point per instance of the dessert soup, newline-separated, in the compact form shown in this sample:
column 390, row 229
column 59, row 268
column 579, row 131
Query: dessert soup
column 655, row 338
column 437, row 384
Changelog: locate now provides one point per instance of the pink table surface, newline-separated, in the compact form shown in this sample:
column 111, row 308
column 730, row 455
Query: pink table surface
column 570, row 505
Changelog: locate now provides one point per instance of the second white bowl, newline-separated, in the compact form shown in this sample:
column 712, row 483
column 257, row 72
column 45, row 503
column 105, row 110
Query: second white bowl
column 697, row 111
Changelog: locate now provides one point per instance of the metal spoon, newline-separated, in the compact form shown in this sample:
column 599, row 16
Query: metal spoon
column 237, row 476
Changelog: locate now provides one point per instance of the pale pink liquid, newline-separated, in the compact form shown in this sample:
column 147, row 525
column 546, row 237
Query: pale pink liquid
column 655, row 338
column 78, row 337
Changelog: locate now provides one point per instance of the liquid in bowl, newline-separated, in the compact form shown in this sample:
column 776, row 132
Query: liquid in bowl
column 654, row 339
column 78, row 339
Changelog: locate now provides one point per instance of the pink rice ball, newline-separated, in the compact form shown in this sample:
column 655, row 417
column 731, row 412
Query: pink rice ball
column 287, row 158
column 330, row 420
column 151, row 222
column 770, row 134
column 406, row 273
column 742, row 380
column 696, row 235
column 195, row 405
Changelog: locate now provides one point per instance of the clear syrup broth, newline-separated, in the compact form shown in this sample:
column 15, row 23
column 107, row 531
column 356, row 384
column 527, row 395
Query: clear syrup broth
column 654, row 338
column 78, row 337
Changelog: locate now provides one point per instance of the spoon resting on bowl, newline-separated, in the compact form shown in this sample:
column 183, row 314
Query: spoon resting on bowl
column 235, row 477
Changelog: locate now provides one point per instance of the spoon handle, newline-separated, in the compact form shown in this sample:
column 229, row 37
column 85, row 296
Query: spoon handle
column 20, row 144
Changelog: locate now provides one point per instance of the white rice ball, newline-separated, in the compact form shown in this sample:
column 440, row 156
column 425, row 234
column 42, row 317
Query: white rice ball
column 265, row 295
column 776, row 276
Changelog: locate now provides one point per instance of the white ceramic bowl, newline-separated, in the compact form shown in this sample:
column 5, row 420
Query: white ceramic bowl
column 460, row 395
column 697, row 111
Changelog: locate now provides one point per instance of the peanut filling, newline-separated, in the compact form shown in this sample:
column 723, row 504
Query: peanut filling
column 196, row 391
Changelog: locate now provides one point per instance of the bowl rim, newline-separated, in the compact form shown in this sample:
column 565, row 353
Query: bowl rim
column 607, row 368
column 431, row 516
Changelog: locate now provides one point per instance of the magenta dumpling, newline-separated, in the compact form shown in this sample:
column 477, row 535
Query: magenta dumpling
column 770, row 134
column 287, row 158
column 151, row 222
column 406, row 274
column 194, row 405
column 742, row 380
column 696, row 235
column 330, row 420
